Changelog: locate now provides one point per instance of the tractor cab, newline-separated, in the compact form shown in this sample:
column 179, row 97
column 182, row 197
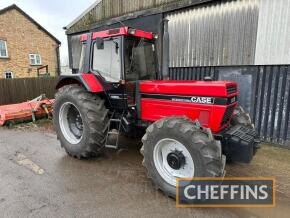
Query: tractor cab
column 118, row 58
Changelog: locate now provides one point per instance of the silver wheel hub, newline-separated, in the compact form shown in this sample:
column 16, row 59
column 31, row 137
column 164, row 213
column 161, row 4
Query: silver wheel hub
column 71, row 123
column 172, row 160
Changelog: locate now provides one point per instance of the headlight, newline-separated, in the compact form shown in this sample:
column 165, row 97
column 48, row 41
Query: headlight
column 155, row 36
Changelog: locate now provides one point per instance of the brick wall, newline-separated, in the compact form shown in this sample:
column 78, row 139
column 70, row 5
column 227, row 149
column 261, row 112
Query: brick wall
column 23, row 38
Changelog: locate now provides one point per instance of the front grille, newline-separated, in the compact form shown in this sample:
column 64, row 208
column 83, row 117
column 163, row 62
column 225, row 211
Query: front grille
column 231, row 89
column 227, row 116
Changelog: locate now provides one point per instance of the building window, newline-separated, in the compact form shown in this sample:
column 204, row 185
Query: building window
column 3, row 49
column 35, row 59
column 8, row 75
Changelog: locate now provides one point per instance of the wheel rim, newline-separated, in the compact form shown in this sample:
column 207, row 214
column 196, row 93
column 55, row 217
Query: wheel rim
column 173, row 160
column 71, row 123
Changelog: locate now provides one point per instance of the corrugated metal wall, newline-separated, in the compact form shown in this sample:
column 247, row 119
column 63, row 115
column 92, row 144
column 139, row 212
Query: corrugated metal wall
column 220, row 33
column 107, row 9
column 225, row 40
column 266, row 96
column 272, row 104
column 273, row 40
column 192, row 73
column 239, row 40
column 238, row 32
column 215, row 35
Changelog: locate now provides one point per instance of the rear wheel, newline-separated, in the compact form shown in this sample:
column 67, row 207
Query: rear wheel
column 175, row 147
column 80, row 120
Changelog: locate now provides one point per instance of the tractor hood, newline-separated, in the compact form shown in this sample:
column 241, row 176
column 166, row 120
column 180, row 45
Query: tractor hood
column 190, row 87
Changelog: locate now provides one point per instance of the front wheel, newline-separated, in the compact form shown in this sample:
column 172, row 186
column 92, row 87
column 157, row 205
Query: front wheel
column 240, row 117
column 175, row 147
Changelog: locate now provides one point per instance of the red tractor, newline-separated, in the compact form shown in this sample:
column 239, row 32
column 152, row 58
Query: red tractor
column 188, row 127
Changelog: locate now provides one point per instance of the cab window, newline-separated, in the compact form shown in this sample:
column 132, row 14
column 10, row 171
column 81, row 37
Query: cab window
column 107, row 61
column 139, row 60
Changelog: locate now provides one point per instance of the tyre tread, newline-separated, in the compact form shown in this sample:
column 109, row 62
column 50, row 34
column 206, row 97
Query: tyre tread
column 96, row 115
column 209, row 148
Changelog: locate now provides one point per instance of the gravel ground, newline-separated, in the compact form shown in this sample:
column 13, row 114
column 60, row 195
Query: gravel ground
column 38, row 179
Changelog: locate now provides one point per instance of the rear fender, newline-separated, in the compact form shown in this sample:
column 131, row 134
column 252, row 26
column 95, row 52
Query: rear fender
column 88, row 81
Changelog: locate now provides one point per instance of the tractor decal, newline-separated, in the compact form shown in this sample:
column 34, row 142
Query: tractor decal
column 193, row 99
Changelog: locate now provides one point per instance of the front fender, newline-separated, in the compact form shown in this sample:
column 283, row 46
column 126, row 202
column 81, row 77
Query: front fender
column 88, row 81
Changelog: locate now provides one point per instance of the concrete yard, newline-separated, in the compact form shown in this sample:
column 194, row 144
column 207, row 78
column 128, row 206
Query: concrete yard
column 38, row 179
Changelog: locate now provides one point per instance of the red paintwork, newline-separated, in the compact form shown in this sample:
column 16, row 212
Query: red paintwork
column 143, row 34
column 123, row 31
column 22, row 111
column 195, row 88
column 210, row 116
column 84, row 37
column 92, row 82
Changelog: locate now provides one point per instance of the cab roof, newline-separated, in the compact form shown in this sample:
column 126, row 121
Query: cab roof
column 122, row 31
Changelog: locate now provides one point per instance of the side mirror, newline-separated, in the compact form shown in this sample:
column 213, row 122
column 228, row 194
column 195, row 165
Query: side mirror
column 100, row 43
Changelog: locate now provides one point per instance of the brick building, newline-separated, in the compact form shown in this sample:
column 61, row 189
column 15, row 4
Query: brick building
column 26, row 46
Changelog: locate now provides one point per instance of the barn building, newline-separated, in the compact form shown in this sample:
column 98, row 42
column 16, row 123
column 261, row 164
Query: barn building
column 242, row 40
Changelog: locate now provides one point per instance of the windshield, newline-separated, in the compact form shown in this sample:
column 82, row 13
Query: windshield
column 139, row 60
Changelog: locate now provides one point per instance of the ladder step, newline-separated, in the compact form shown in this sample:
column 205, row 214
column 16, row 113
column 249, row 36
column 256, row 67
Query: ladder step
column 115, row 120
column 113, row 133
column 111, row 146
column 117, row 133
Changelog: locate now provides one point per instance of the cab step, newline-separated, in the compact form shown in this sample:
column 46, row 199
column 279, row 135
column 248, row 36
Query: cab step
column 110, row 132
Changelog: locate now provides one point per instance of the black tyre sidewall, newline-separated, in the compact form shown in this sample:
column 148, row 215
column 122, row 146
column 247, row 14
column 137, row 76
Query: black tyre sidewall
column 73, row 149
column 192, row 149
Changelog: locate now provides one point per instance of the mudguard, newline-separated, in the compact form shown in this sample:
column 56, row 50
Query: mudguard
column 87, row 80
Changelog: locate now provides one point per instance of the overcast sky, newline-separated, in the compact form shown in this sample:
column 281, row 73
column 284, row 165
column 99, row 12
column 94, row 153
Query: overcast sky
column 53, row 15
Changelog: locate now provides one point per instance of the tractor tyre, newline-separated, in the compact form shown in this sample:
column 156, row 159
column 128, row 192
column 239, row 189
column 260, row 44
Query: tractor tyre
column 176, row 147
column 80, row 120
column 240, row 117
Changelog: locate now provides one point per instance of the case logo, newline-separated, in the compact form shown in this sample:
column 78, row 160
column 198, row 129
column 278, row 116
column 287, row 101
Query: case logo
column 202, row 100
column 197, row 100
